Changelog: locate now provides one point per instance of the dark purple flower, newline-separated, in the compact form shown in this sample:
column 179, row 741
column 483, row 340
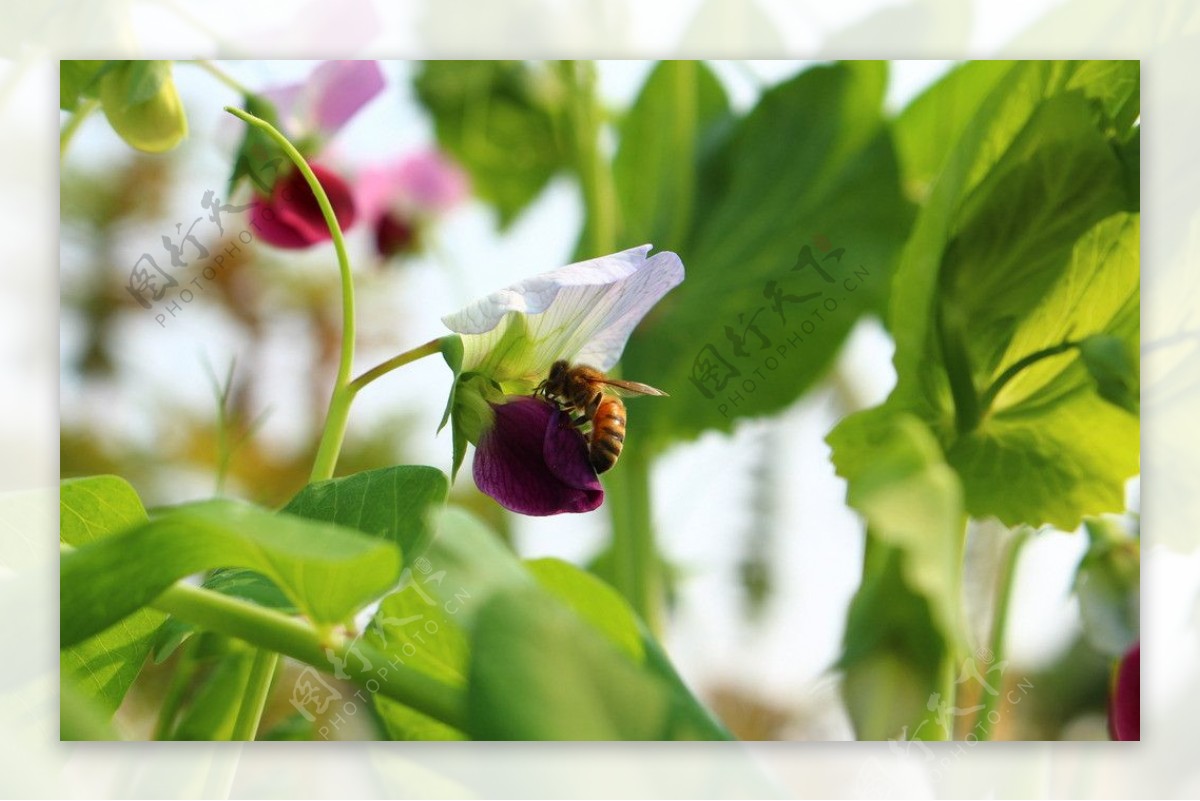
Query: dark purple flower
column 1125, row 700
column 534, row 461
column 291, row 216
column 394, row 235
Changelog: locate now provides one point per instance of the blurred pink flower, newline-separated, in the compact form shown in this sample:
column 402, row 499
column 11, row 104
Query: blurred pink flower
column 400, row 198
column 332, row 94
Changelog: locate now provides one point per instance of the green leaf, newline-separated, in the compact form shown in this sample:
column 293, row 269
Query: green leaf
column 1020, row 249
column 911, row 500
column 891, row 652
column 103, row 667
column 662, row 137
column 593, row 600
column 1052, row 450
column 1058, row 178
column 413, row 626
column 500, row 120
column 81, row 715
column 927, row 128
column 1113, row 364
column 1130, row 154
column 906, row 613
column 538, row 672
column 327, row 571
column 798, row 244
column 394, row 503
column 564, row 623
column 94, row 508
column 464, row 565
column 452, row 352
column 1116, row 86
column 1005, row 113
column 77, row 80
column 474, row 560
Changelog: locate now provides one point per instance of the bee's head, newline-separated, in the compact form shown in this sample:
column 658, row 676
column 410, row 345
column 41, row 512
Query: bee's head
column 555, row 380
column 558, row 372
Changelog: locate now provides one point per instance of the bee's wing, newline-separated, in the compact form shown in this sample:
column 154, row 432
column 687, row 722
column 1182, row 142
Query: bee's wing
column 627, row 388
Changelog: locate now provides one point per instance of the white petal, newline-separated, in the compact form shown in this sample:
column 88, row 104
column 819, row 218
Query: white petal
column 583, row 313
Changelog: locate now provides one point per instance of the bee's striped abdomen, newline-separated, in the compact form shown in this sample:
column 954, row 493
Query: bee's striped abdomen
column 608, row 433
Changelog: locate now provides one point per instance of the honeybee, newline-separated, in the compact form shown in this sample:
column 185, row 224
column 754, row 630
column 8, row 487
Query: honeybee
column 594, row 396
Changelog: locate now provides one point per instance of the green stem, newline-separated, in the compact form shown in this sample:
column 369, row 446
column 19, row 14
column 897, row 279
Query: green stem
column 947, row 677
column 222, row 76
column 586, row 117
column 339, row 408
column 958, row 370
column 339, row 402
column 1008, row 570
column 635, row 558
column 254, row 700
column 82, row 112
column 181, row 677
column 989, row 396
column 332, row 434
column 428, row 349
column 274, row 631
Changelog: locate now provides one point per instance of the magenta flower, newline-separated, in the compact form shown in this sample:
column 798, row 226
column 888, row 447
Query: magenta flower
column 1125, row 697
column 311, row 112
column 399, row 200
column 529, row 456
column 291, row 217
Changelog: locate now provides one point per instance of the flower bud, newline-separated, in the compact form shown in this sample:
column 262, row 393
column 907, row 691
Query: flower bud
column 142, row 105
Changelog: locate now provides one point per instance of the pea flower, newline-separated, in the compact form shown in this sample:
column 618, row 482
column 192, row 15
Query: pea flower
column 312, row 112
column 400, row 199
column 291, row 217
column 1125, row 697
column 529, row 456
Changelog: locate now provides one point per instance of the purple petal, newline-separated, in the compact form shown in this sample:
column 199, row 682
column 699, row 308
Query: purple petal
column 1125, row 703
column 291, row 217
column 533, row 461
column 339, row 89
